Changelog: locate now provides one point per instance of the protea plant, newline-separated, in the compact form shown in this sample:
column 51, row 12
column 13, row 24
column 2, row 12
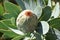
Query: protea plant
column 33, row 19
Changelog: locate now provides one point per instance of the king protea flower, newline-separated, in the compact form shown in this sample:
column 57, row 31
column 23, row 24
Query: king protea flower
column 27, row 21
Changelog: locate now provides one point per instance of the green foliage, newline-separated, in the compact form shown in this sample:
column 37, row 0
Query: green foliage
column 4, row 24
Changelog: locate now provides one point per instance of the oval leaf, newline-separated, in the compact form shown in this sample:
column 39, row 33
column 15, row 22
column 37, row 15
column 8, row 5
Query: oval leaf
column 11, row 8
column 46, row 13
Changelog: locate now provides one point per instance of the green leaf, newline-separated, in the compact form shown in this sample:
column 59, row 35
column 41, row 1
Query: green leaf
column 8, row 33
column 46, row 13
column 11, row 8
column 1, row 10
column 55, row 23
column 4, row 24
column 18, row 38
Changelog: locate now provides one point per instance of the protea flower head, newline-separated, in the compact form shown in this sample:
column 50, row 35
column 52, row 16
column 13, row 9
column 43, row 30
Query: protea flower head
column 27, row 21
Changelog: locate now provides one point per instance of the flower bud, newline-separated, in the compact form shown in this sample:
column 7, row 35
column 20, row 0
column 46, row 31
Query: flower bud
column 27, row 21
